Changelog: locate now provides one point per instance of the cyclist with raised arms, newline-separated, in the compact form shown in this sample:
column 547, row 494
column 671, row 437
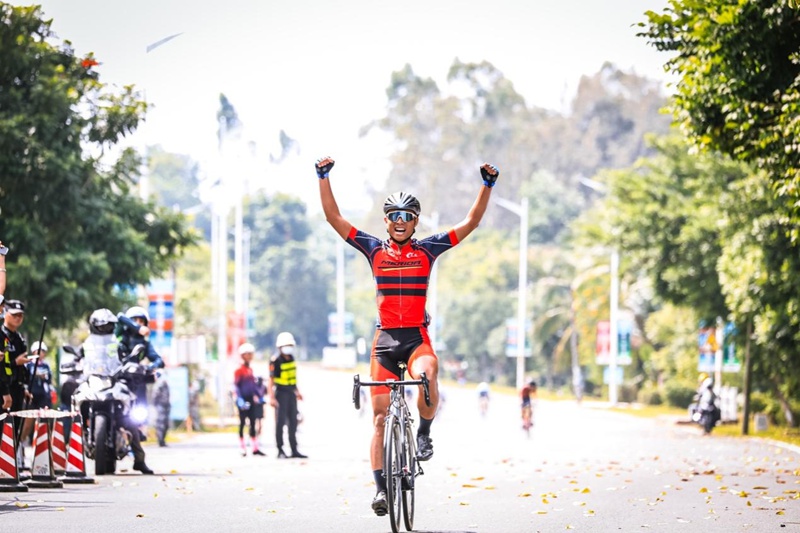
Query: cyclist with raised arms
column 401, row 267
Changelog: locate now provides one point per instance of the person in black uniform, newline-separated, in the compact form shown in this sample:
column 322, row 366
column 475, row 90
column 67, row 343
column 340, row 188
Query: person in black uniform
column 15, row 355
column 283, row 393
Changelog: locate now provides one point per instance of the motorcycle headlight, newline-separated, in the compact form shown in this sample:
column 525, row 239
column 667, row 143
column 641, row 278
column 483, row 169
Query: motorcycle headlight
column 139, row 414
column 99, row 382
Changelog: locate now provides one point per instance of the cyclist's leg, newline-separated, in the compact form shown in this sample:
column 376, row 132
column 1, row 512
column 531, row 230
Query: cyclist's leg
column 380, row 405
column 429, row 364
column 423, row 359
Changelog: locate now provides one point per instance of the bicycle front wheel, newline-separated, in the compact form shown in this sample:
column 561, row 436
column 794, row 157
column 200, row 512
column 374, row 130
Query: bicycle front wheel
column 393, row 470
column 409, row 478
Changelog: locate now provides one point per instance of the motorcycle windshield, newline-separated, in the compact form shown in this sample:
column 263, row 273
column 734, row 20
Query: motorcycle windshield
column 100, row 355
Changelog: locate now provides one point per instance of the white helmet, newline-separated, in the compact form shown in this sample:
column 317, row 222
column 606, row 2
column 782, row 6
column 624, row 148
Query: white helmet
column 35, row 347
column 246, row 348
column 284, row 339
column 138, row 312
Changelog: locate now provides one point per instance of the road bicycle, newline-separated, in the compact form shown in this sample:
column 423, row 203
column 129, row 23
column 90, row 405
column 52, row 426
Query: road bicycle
column 527, row 419
column 400, row 465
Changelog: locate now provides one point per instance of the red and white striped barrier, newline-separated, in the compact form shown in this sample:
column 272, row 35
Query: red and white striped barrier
column 9, row 474
column 59, row 449
column 42, row 474
column 76, row 458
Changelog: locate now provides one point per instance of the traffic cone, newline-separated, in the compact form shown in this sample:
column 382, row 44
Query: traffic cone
column 42, row 474
column 59, row 449
column 9, row 475
column 76, row 458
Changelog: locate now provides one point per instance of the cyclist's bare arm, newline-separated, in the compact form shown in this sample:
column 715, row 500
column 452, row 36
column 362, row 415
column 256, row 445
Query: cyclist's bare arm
column 489, row 173
column 329, row 205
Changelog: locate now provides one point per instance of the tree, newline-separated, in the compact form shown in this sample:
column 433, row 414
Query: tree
column 286, row 273
column 76, row 230
column 739, row 81
column 707, row 232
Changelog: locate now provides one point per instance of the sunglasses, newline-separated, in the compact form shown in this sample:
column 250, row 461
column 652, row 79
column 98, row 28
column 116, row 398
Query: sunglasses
column 405, row 216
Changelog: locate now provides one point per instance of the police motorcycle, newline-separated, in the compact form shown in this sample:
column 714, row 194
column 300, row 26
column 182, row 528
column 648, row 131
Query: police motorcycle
column 105, row 398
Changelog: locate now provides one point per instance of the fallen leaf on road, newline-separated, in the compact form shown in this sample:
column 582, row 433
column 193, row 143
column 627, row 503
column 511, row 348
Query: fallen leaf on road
column 463, row 503
column 59, row 508
column 489, row 487
column 525, row 495
column 478, row 478
column 703, row 489
column 469, row 486
column 140, row 515
column 540, row 512
column 21, row 505
column 759, row 488
column 586, row 490
column 588, row 512
column 780, row 513
column 155, row 495
column 569, row 527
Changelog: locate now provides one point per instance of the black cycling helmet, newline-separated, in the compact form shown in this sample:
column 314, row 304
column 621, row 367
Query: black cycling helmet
column 102, row 322
column 401, row 201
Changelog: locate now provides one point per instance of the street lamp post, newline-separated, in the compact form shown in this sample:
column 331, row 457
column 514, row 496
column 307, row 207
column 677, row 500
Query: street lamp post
column 613, row 329
column 521, row 210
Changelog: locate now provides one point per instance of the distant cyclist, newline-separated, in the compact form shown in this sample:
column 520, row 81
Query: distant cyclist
column 483, row 397
column 528, row 397
column 401, row 267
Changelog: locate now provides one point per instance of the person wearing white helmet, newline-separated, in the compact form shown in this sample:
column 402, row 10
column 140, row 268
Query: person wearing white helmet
column 246, row 395
column 401, row 266
column 283, row 393
column 132, row 329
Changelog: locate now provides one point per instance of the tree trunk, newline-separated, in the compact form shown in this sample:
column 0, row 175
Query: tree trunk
column 748, row 371
column 787, row 408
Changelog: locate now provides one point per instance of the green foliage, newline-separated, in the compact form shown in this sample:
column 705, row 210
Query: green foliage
column 678, row 394
column 287, row 269
column 443, row 136
column 75, row 227
column 649, row 395
column 739, row 81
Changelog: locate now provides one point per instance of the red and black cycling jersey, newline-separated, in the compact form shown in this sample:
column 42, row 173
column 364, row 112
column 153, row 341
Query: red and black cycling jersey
column 401, row 274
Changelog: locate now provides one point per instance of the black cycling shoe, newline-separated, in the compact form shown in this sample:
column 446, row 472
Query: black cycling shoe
column 379, row 504
column 424, row 447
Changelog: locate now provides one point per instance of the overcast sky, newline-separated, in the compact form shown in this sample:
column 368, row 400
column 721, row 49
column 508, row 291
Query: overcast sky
column 318, row 69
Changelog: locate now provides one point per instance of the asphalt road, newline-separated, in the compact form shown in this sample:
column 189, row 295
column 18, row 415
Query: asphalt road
column 584, row 468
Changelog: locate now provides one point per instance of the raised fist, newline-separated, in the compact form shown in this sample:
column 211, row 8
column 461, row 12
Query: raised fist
column 324, row 166
column 489, row 173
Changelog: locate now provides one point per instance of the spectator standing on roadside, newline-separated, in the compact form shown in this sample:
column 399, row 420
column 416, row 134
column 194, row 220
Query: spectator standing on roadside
column 283, row 393
column 246, row 395
column 162, row 405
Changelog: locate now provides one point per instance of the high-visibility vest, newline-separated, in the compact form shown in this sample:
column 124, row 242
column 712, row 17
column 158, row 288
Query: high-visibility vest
column 285, row 372
column 6, row 357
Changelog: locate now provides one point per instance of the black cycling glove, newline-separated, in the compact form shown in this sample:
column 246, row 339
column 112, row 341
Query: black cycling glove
column 489, row 173
column 324, row 166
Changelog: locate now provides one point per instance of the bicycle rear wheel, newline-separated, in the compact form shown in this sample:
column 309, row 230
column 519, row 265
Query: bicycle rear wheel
column 409, row 478
column 392, row 470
